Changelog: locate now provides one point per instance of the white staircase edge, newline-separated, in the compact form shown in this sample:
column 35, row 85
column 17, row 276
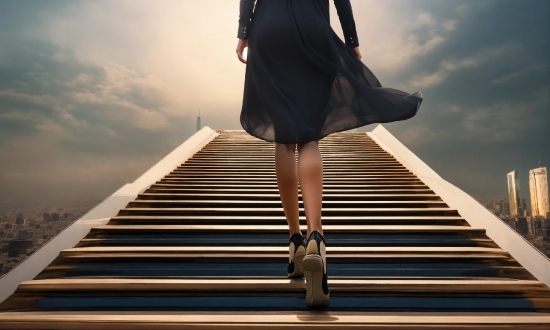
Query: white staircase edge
column 101, row 213
column 472, row 211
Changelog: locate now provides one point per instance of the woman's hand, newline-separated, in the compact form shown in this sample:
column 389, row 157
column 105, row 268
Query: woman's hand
column 357, row 52
column 243, row 43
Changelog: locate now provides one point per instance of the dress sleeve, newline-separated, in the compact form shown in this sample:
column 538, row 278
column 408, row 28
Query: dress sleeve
column 246, row 9
column 345, row 14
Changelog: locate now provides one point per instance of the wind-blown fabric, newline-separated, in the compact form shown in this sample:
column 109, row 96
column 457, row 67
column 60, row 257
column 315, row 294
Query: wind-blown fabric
column 302, row 82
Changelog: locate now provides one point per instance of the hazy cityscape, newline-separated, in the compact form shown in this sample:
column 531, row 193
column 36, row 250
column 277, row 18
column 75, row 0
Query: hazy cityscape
column 25, row 228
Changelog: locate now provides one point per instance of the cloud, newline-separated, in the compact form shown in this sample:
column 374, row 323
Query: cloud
column 53, row 83
column 505, row 122
column 409, row 41
column 523, row 74
column 54, row 104
column 448, row 66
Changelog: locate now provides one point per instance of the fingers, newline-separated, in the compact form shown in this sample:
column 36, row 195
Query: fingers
column 357, row 52
column 240, row 56
column 242, row 44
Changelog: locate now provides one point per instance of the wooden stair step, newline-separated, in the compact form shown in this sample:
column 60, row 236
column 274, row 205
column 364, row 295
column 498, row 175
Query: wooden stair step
column 213, row 184
column 280, row 251
column 271, row 196
column 161, row 188
column 329, row 175
column 273, row 187
column 342, row 212
column 284, row 228
column 333, row 320
column 265, row 219
column 177, row 203
column 286, row 285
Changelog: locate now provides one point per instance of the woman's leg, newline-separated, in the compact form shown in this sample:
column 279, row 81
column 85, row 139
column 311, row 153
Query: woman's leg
column 287, row 181
column 310, row 173
column 314, row 265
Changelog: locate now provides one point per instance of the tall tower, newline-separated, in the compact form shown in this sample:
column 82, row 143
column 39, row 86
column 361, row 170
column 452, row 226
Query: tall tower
column 199, row 121
column 538, row 187
column 513, row 193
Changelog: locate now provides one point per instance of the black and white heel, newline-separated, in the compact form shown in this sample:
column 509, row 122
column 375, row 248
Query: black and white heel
column 296, row 253
column 315, row 271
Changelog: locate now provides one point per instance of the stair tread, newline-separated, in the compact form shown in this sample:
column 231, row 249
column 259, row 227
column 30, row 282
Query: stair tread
column 263, row 228
column 271, row 249
column 331, row 320
column 282, row 285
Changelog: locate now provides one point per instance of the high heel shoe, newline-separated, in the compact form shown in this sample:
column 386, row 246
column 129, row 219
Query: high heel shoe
column 296, row 253
column 315, row 271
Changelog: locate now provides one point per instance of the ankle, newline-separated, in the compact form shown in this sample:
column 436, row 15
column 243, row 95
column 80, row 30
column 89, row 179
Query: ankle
column 292, row 232
column 320, row 231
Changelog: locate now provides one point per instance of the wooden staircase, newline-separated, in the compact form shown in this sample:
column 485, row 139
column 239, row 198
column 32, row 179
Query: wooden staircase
column 207, row 247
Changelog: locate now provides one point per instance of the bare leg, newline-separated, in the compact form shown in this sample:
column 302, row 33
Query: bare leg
column 310, row 173
column 287, row 181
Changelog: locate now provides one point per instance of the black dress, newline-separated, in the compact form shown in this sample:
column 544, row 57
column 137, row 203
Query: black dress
column 302, row 82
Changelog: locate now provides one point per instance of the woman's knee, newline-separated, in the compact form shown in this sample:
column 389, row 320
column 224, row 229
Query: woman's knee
column 310, row 143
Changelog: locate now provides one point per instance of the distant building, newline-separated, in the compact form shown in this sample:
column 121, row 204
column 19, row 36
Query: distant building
column 17, row 246
column 47, row 217
column 55, row 216
column 522, row 226
column 19, row 219
column 199, row 121
column 537, row 225
column 514, row 194
column 538, row 187
column 531, row 225
column 510, row 222
column 544, row 231
column 505, row 208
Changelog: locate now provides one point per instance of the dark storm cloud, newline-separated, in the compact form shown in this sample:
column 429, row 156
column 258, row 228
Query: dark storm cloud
column 487, row 93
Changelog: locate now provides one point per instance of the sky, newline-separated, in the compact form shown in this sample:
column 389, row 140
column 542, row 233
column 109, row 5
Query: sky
column 95, row 92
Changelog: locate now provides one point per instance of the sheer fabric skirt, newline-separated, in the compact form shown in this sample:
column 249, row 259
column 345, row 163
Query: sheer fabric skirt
column 302, row 82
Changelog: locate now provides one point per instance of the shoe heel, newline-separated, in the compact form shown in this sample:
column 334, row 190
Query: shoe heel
column 313, row 272
column 299, row 261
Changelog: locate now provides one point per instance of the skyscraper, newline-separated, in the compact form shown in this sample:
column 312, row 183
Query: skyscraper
column 538, row 187
column 199, row 121
column 513, row 194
